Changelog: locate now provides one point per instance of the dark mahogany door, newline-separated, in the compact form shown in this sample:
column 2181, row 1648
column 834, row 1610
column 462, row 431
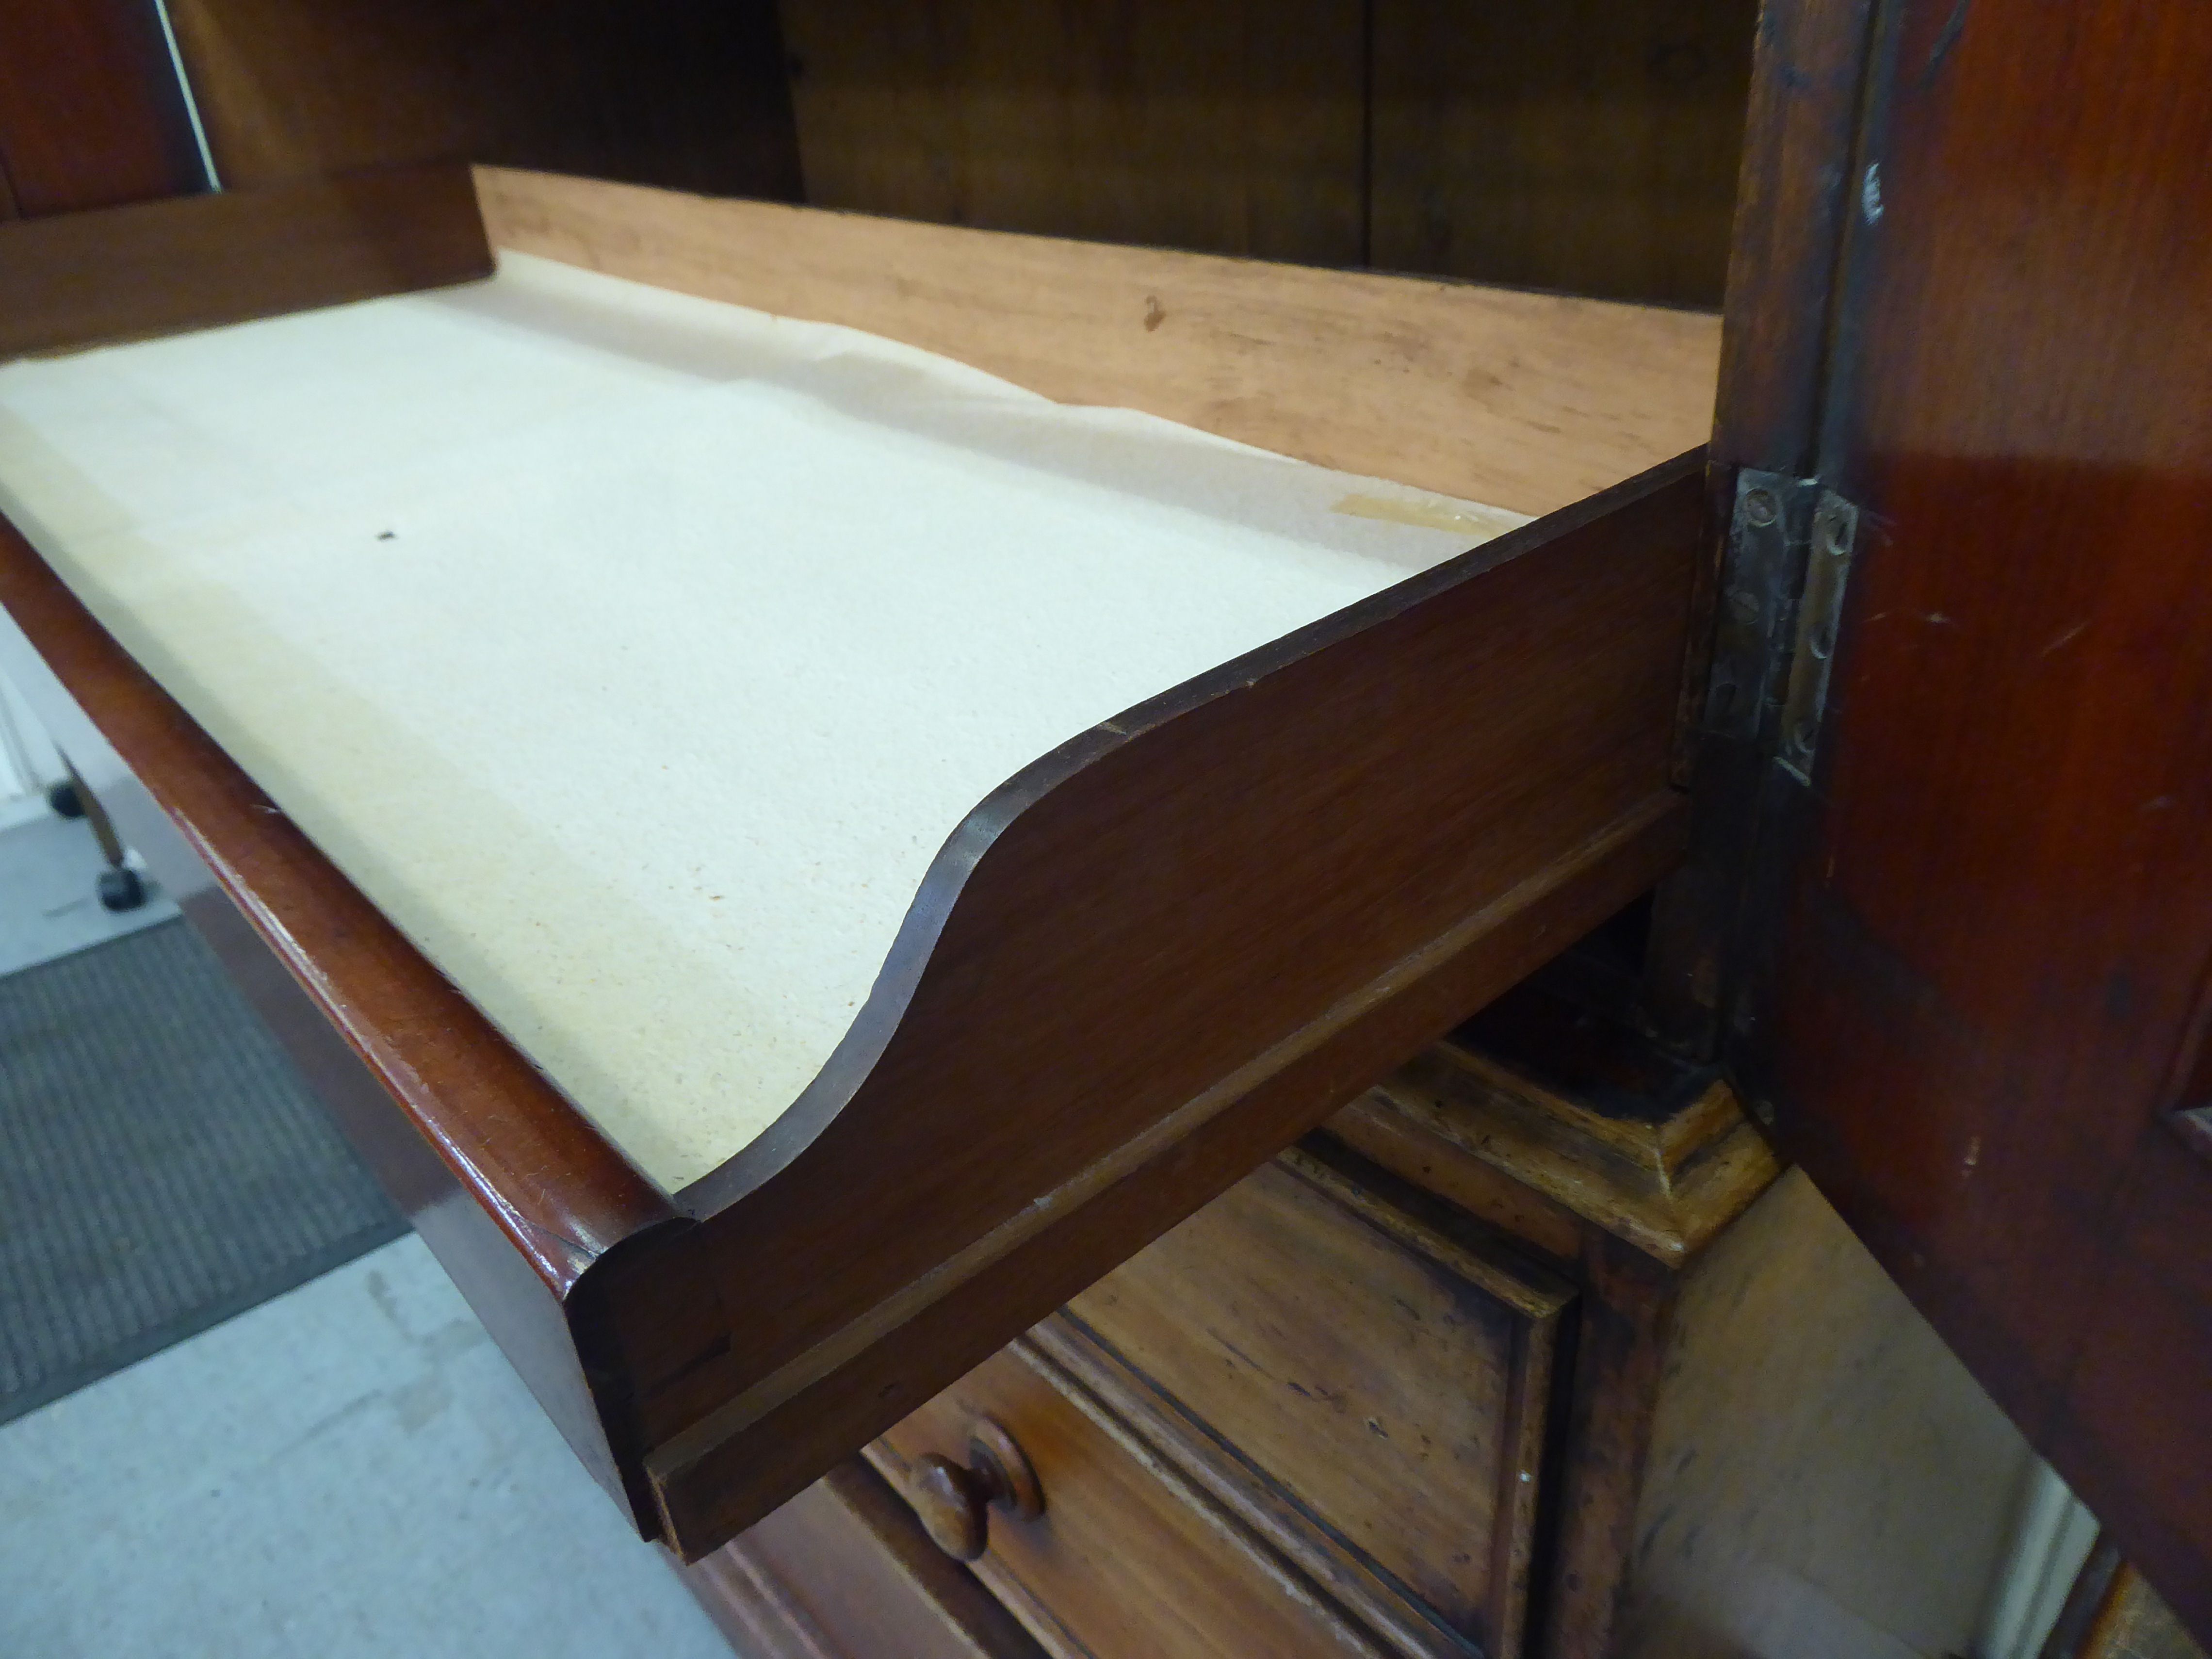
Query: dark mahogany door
column 1981, row 1023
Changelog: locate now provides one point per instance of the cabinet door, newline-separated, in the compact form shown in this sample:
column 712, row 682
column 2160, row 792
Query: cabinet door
column 1979, row 1022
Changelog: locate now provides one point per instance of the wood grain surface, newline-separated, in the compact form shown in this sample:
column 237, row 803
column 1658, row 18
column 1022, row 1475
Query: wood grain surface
column 658, row 91
column 1524, row 401
column 160, row 267
column 1792, row 200
column 1997, row 933
column 1590, row 146
column 1387, row 1370
column 1523, row 1145
column 1131, row 1558
column 1228, row 128
column 1667, row 1184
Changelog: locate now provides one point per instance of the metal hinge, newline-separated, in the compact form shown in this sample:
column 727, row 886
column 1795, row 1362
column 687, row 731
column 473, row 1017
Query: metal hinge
column 1783, row 581
column 1781, row 598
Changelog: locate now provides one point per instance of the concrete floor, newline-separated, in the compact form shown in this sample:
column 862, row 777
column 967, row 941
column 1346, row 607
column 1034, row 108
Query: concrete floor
column 350, row 1470
column 49, row 906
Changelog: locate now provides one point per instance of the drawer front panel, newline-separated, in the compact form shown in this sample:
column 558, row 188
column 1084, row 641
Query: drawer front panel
column 1392, row 1376
column 843, row 1572
column 1129, row 1560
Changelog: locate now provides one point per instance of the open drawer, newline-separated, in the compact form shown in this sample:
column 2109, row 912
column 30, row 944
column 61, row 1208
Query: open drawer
column 1176, row 938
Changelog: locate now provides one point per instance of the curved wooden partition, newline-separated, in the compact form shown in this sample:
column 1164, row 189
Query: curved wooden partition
column 1156, row 957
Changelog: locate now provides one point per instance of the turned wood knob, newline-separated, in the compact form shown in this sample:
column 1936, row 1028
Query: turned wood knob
column 954, row 1501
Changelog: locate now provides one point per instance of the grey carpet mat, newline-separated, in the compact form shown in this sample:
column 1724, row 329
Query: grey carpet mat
column 162, row 1165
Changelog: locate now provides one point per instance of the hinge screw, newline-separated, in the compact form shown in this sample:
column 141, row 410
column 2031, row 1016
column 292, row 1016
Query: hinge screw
column 1760, row 509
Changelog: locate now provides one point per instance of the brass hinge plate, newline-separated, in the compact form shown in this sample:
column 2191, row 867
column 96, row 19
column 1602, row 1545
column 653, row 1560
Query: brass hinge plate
column 1781, row 599
column 1827, row 567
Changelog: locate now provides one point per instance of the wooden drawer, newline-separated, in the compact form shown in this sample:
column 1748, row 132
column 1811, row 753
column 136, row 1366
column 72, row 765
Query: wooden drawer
column 1131, row 1558
column 844, row 1572
column 1070, row 1044
column 1377, row 1357
column 1310, row 1409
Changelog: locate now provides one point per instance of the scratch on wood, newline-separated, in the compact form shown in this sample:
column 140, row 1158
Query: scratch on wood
column 1954, row 26
column 2066, row 638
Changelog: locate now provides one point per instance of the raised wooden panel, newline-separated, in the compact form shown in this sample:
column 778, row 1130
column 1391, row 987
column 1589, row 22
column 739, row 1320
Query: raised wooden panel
column 1550, row 1119
column 205, row 260
column 1234, row 128
column 662, row 92
column 1590, row 145
column 1393, row 1380
column 1523, row 401
column 1130, row 1559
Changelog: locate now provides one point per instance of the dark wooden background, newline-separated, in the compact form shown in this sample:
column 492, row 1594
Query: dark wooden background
column 1586, row 145
column 1590, row 145
column 90, row 112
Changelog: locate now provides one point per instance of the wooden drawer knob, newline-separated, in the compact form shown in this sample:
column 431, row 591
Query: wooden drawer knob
column 954, row 1501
